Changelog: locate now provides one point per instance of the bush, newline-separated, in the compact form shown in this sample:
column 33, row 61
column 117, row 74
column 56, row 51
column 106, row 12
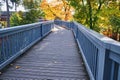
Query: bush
column 16, row 19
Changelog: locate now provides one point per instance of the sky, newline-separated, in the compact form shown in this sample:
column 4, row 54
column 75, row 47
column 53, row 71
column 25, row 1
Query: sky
column 19, row 8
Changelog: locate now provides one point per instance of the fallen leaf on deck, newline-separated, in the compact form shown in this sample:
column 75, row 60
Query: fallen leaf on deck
column 11, row 64
column 17, row 67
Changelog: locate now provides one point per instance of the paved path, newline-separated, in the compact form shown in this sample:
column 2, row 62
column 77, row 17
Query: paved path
column 56, row 57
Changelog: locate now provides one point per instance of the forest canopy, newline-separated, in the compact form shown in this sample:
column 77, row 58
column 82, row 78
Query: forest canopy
column 102, row 16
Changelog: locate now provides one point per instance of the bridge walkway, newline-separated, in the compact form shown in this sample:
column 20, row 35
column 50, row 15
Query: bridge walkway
column 56, row 57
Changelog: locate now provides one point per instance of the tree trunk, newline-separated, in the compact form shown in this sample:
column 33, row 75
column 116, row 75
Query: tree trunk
column 114, row 36
column 66, row 8
column 67, row 12
column 53, row 12
column 8, row 14
column 15, row 7
column 90, row 14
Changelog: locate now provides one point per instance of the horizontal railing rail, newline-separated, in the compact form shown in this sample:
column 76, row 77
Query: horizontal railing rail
column 15, row 41
column 100, row 54
column 62, row 23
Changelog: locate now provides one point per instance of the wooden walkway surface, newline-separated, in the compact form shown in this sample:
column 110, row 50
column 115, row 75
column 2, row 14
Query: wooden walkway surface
column 56, row 57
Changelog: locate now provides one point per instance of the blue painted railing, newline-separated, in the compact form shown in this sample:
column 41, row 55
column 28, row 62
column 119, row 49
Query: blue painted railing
column 62, row 23
column 100, row 54
column 16, row 40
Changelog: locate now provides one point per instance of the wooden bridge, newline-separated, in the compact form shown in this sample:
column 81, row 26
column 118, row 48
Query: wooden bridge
column 46, row 51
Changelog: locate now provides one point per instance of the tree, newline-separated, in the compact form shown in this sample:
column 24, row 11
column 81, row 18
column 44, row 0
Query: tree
column 32, row 14
column 16, row 19
column 115, row 22
column 110, row 11
column 99, row 15
column 8, row 14
column 33, row 11
column 15, row 3
column 92, row 12
column 0, row 6
column 57, row 9
column 86, row 12
column 67, row 8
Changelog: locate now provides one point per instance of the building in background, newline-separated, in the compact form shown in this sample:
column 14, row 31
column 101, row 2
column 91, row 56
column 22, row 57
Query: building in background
column 3, row 17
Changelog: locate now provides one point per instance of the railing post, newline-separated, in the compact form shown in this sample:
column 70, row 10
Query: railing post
column 112, row 70
column 118, row 73
column 100, row 63
column 41, row 30
column 77, row 33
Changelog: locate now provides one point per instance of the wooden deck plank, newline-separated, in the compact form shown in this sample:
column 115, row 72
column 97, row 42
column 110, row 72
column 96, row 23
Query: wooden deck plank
column 54, row 58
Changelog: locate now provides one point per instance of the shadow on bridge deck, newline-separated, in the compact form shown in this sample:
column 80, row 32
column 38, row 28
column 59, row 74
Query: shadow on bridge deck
column 54, row 58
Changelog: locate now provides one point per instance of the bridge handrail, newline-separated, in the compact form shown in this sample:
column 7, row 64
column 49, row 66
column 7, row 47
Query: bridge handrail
column 22, row 27
column 108, row 49
column 100, row 39
column 14, row 41
column 100, row 53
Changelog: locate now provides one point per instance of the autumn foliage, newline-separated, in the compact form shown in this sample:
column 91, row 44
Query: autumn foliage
column 57, row 9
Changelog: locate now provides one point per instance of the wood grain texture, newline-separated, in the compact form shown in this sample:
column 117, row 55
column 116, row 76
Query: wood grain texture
column 54, row 58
